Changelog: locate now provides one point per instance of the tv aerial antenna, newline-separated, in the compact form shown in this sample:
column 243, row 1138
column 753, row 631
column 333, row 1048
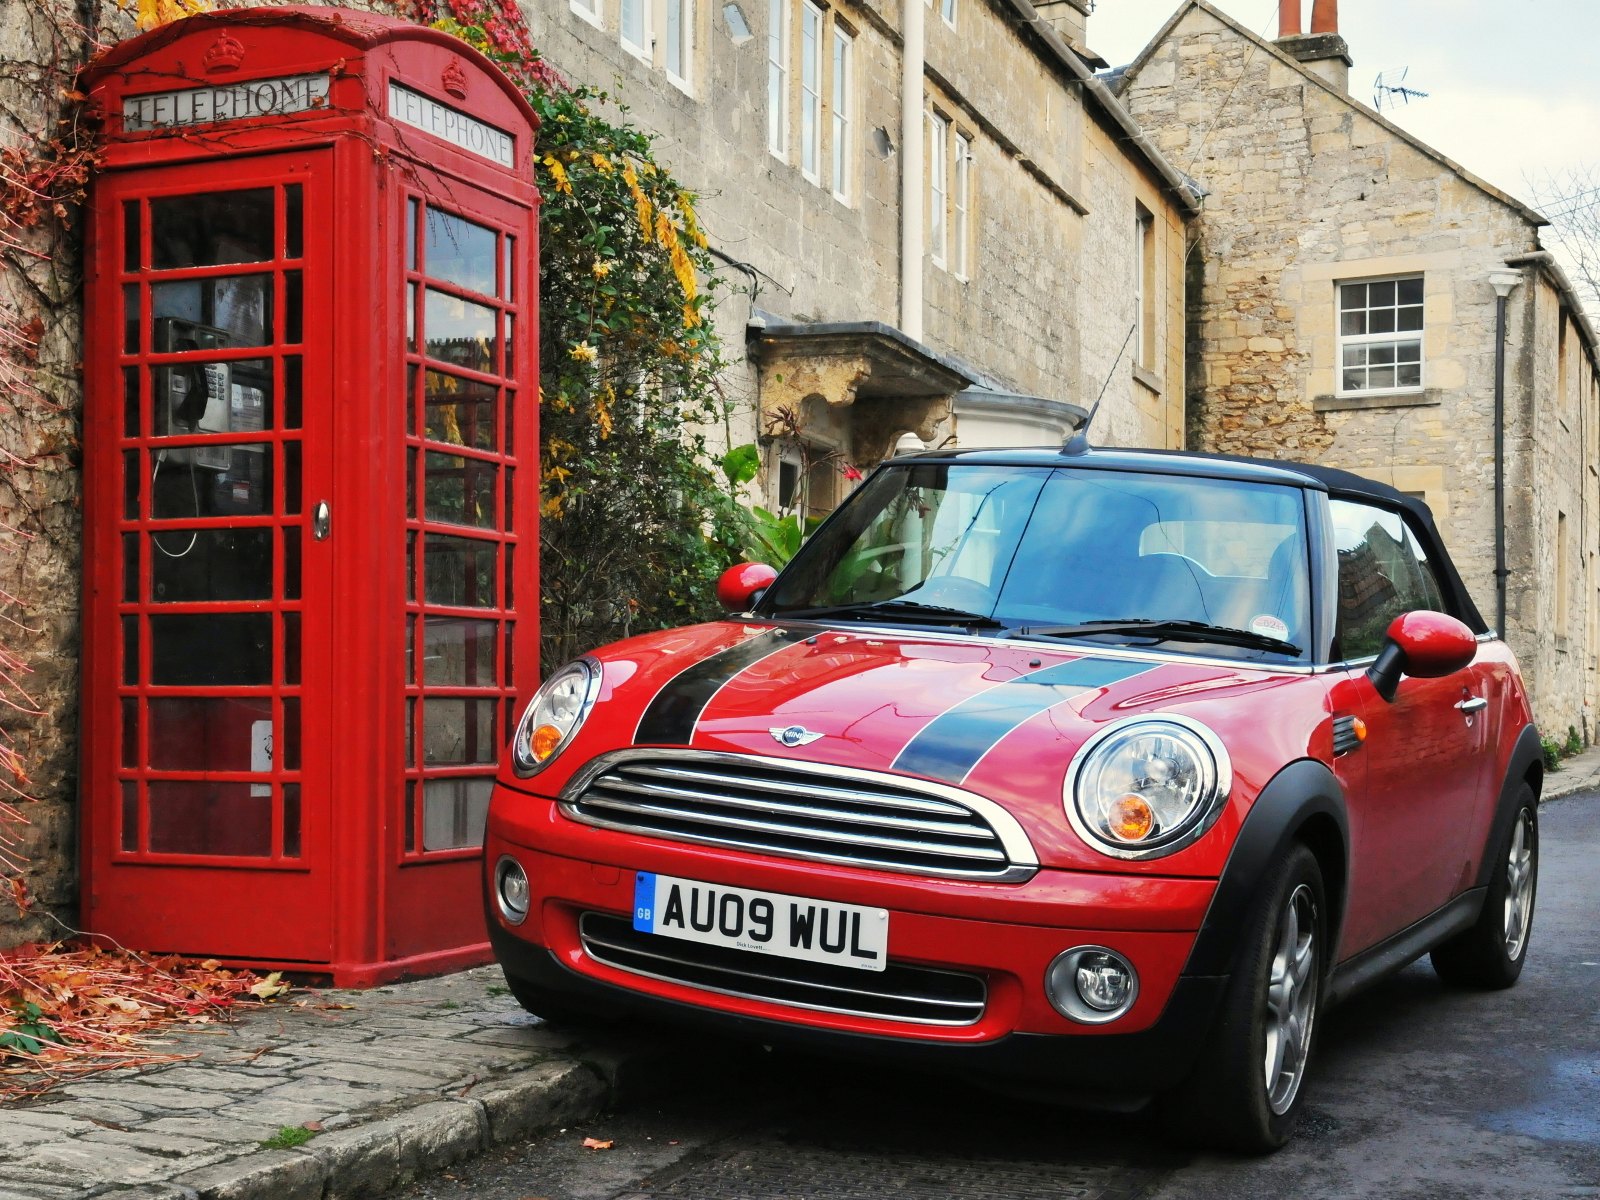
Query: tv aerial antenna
column 1389, row 89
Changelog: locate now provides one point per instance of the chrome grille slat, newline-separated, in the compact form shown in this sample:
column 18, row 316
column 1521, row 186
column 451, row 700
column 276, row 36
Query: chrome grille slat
column 798, row 809
column 763, row 804
column 903, row 992
column 750, row 824
column 879, row 799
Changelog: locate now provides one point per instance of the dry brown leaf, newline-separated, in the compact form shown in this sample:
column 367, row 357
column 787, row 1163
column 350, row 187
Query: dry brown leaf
column 596, row 1144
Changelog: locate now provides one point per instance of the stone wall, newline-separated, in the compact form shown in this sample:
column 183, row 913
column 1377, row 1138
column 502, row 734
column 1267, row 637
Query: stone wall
column 1307, row 189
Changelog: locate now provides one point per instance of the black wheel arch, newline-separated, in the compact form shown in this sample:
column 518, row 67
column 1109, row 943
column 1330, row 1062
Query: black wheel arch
column 1301, row 803
column 1526, row 766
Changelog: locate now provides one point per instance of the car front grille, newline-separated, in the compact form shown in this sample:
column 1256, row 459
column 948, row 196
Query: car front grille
column 803, row 810
column 900, row 992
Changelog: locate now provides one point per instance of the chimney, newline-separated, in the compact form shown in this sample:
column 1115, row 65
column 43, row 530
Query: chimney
column 1323, row 51
column 1069, row 18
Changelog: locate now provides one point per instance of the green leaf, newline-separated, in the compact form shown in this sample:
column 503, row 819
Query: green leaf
column 741, row 464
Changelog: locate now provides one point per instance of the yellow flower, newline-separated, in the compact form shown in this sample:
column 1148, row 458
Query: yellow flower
column 557, row 475
column 151, row 13
column 691, row 223
column 601, row 163
column 600, row 269
column 684, row 270
column 602, row 410
column 641, row 202
column 551, row 508
column 558, row 175
column 584, row 353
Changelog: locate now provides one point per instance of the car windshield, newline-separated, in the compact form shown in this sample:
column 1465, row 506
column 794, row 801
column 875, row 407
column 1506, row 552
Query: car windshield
column 1062, row 552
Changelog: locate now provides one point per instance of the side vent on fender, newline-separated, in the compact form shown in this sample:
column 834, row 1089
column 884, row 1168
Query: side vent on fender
column 1348, row 734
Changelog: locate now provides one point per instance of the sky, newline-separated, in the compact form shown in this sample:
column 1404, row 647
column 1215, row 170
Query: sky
column 1513, row 85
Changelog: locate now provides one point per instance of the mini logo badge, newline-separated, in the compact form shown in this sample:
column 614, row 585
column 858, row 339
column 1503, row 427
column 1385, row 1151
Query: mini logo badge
column 793, row 735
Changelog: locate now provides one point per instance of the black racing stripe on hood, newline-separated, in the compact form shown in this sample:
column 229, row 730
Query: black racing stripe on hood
column 670, row 718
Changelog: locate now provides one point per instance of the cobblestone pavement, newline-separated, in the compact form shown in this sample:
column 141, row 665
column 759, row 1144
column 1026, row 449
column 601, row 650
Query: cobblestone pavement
column 401, row 1079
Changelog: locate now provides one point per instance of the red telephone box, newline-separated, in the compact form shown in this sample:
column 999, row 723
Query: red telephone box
column 311, row 497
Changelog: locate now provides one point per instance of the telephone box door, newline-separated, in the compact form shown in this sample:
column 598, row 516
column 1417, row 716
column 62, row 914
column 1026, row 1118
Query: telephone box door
column 219, row 841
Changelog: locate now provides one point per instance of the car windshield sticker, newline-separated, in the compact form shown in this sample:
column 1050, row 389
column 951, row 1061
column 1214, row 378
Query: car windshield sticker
column 670, row 718
column 950, row 745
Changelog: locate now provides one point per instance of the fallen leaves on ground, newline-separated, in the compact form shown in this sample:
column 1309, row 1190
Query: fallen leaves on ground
column 596, row 1144
column 74, row 1009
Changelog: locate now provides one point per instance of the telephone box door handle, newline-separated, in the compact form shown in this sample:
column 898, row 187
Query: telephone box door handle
column 321, row 521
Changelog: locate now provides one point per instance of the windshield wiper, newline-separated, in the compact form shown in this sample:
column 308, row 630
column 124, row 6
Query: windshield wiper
column 1161, row 631
column 899, row 610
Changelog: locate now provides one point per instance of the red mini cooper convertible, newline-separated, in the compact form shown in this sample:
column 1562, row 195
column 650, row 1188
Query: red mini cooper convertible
column 1102, row 770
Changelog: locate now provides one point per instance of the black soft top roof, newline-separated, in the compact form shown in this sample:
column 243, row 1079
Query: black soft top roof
column 1343, row 484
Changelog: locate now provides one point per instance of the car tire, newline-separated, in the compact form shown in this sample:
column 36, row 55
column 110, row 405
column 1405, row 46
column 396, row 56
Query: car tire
column 557, row 1009
column 1247, row 1087
column 1490, row 954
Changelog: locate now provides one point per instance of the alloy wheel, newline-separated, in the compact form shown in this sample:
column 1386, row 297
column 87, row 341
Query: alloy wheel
column 1519, row 885
column 1291, row 1007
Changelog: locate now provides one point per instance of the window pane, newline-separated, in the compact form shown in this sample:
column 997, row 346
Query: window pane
column 458, row 652
column 459, row 411
column 211, row 733
column 460, row 252
column 1411, row 291
column 1353, row 296
column 211, row 649
column 209, row 818
column 460, row 332
column 1382, row 574
column 459, row 571
column 188, row 565
column 458, row 730
column 675, row 57
column 221, row 479
column 453, row 812
column 225, row 310
column 212, row 228
column 459, row 490
column 1381, row 293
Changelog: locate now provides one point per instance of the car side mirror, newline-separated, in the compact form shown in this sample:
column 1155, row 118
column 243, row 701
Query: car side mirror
column 1424, row 644
column 741, row 585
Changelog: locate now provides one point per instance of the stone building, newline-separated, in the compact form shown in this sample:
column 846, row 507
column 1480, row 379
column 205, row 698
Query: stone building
column 942, row 223
column 1344, row 294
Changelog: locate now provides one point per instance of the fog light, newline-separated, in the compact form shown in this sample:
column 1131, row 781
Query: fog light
column 1091, row 985
column 511, row 890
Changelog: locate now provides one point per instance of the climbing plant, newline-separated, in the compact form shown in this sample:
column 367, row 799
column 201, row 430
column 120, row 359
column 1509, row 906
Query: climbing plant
column 636, row 520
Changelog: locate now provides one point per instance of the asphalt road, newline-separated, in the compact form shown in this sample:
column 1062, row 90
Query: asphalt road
column 1420, row 1092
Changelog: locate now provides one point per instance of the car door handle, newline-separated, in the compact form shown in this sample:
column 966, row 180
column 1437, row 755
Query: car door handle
column 1473, row 704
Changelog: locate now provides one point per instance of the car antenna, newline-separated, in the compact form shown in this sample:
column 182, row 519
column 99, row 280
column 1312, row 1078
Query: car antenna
column 1078, row 441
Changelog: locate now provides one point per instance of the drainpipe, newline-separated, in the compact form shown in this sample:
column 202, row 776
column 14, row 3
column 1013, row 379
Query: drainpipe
column 1502, row 282
column 911, row 66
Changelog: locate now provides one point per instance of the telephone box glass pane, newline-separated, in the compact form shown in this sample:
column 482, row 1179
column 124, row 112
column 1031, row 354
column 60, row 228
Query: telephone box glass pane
column 130, row 816
column 293, row 221
column 130, row 402
column 291, row 563
column 291, row 820
column 507, row 278
column 291, row 392
column 130, row 318
column 453, row 812
column 510, row 367
column 130, row 236
column 132, row 477
column 291, row 478
column 230, row 310
column 459, row 491
column 211, row 397
column 293, row 290
column 130, row 732
column 458, row 652
column 130, row 568
column 291, row 649
column 291, row 733
column 210, row 564
column 456, row 730
column 130, row 650
column 202, row 817
column 460, row 252
column 211, row 228
column 221, row 479
column 460, row 332
column 459, row 571
column 211, row 649
column 211, row 733
column 459, row 411
column 411, row 234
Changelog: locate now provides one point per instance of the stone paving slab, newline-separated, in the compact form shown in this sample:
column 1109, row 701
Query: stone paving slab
column 402, row 1081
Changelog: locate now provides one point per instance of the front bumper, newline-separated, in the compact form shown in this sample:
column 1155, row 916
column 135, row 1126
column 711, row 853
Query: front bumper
column 1007, row 934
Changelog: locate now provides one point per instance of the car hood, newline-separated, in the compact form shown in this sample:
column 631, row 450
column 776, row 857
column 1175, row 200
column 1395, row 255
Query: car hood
column 1001, row 719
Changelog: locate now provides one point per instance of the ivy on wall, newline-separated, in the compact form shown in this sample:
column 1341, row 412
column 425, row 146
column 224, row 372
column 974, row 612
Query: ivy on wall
column 635, row 523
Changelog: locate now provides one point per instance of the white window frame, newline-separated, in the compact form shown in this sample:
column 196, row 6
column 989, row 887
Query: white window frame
column 642, row 49
column 843, row 56
column 947, row 11
column 778, row 79
column 938, row 194
column 1144, row 274
column 813, row 30
column 682, row 46
column 1397, row 338
column 960, row 203
column 590, row 11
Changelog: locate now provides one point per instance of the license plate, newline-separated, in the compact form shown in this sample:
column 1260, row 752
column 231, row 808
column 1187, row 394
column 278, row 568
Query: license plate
column 847, row 935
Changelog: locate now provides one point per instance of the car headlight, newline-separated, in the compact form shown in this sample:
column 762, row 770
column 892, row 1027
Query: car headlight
column 1147, row 786
column 555, row 713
